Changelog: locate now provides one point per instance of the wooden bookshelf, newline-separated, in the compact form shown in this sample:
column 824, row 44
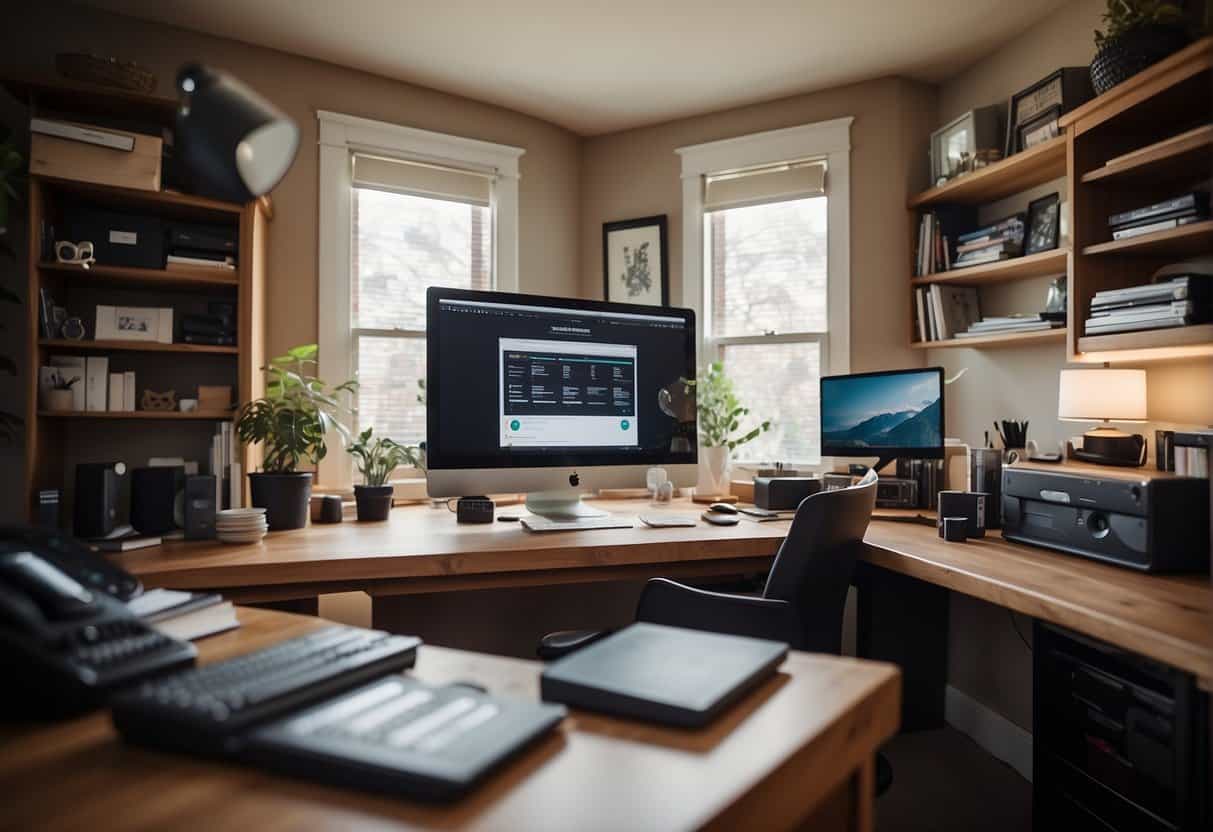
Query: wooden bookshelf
column 1010, row 339
column 1041, row 264
column 1156, row 129
column 1024, row 170
column 56, row 441
column 181, row 277
column 93, row 345
column 142, row 415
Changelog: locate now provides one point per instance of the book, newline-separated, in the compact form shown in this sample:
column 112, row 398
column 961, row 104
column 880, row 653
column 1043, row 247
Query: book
column 184, row 615
column 982, row 258
column 920, row 319
column 128, row 543
column 1150, row 228
column 117, row 396
column 128, row 391
column 82, row 133
column 941, row 321
column 96, row 382
column 1195, row 200
column 1100, row 328
column 1011, row 225
column 181, row 260
column 1006, row 243
column 1156, row 310
column 1177, row 288
column 218, row 618
column 73, row 365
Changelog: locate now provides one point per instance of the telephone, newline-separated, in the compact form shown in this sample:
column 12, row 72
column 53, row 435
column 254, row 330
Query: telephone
column 64, row 645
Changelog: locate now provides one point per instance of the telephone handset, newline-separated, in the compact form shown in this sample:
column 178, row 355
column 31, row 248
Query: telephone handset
column 64, row 646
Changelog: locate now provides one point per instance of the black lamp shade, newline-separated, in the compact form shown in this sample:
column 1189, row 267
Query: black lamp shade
column 234, row 144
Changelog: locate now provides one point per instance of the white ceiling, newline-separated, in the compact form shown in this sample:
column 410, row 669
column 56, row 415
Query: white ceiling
column 598, row 67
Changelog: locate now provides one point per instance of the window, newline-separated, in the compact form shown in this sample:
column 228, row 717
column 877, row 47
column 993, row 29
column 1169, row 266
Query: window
column 769, row 214
column 402, row 210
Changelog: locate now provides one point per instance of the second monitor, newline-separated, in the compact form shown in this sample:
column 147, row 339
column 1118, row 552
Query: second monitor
column 885, row 415
column 555, row 396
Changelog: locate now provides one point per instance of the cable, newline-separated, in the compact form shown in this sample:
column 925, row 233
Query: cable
column 1015, row 626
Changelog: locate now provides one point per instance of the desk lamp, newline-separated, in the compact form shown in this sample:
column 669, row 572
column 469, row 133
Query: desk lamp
column 1105, row 396
column 236, row 145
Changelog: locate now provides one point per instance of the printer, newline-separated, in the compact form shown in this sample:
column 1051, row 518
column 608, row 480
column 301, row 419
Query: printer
column 1139, row 518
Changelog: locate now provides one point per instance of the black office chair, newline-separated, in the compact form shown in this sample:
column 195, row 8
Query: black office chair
column 804, row 596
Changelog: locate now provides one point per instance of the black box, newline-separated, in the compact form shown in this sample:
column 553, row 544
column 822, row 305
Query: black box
column 154, row 497
column 119, row 239
column 970, row 505
column 784, row 493
column 200, row 507
column 98, row 488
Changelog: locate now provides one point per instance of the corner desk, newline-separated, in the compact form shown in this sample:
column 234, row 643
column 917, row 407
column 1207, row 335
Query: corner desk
column 797, row 752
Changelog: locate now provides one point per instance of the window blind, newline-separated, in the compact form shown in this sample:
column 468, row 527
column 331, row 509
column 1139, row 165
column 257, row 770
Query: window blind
column 421, row 179
column 759, row 186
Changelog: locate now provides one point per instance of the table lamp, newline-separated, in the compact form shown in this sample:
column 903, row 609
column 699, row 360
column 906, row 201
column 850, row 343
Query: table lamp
column 235, row 144
column 1105, row 395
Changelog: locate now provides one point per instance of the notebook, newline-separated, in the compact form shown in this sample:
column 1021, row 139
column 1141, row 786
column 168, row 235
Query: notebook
column 662, row 674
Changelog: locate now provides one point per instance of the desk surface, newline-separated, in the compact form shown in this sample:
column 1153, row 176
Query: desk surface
column 420, row 549
column 771, row 759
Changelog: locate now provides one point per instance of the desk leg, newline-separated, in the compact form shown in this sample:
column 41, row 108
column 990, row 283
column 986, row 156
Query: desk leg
column 905, row 621
column 300, row 606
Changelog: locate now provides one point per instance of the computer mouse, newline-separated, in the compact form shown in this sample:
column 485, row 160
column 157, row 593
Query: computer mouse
column 723, row 508
column 720, row 518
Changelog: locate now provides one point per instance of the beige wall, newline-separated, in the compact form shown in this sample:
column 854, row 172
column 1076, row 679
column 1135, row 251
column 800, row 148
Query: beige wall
column 300, row 86
column 637, row 173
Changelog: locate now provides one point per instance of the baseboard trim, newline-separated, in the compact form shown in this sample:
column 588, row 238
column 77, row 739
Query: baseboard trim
column 991, row 730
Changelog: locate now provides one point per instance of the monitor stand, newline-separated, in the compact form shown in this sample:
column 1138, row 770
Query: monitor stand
column 560, row 505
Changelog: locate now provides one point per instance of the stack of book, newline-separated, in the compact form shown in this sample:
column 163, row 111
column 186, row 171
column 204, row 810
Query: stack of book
column 1000, row 241
column 1007, row 324
column 185, row 615
column 1180, row 301
column 1170, row 213
column 934, row 253
column 944, row 311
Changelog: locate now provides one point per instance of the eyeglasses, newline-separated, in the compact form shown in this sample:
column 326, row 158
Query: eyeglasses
column 76, row 254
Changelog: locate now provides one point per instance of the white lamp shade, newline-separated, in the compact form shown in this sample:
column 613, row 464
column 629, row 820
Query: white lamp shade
column 1102, row 395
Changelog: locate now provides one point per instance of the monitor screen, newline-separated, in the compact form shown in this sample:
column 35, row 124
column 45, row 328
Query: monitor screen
column 897, row 413
column 520, row 381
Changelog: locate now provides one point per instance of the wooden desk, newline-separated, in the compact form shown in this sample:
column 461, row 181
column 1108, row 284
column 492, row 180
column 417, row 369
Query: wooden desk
column 422, row 550
column 800, row 749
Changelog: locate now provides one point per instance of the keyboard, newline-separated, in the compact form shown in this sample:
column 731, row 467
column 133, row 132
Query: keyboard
column 574, row 524
column 209, row 709
column 403, row 737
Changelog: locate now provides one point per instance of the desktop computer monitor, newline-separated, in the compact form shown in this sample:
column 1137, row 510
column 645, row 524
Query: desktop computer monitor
column 555, row 396
column 887, row 415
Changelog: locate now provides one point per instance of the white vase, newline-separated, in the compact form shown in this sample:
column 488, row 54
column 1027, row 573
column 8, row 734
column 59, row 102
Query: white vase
column 713, row 471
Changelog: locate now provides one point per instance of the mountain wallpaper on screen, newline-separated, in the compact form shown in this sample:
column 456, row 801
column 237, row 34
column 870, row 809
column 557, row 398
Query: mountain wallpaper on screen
column 904, row 429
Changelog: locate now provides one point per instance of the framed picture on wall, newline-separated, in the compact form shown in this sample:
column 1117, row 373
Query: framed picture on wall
column 635, row 263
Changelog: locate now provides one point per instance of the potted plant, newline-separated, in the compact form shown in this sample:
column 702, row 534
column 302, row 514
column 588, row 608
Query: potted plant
column 720, row 414
column 58, row 397
column 291, row 422
column 1138, row 33
column 377, row 458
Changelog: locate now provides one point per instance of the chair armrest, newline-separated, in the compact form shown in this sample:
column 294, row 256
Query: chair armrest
column 677, row 605
column 561, row 643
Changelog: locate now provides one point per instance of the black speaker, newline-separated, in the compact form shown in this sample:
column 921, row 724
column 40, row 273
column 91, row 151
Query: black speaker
column 200, row 507
column 154, row 493
column 98, row 488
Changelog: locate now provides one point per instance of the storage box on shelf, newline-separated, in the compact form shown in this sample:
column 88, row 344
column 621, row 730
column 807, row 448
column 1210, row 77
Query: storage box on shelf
column 57, row 440
column 1144, row 141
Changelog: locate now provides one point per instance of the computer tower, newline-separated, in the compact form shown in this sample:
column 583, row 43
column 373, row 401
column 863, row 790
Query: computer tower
column 98, row 490
column 1120, row 742
column 154, row 499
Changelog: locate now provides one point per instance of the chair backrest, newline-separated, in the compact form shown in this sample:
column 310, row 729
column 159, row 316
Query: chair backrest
column 813, row 567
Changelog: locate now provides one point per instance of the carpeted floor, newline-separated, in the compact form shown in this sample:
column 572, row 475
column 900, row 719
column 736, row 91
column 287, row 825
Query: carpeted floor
column 943, row 781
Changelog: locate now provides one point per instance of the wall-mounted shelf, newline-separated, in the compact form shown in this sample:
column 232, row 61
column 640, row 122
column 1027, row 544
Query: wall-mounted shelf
column 1163, row 161
column 167, row 203
column 1184, row 241
column 1017, row 268
column 1179, row 336
column 170, row 415
column 173, row 278
column 1010, row 339
column 1026, row 169
column 134, row 346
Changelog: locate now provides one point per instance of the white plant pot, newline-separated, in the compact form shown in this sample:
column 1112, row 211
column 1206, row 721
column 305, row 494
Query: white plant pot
column 713, row 471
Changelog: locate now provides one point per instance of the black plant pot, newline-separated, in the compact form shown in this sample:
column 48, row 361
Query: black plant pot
column 1123, row 57
column 374, row 501
column 284, row 497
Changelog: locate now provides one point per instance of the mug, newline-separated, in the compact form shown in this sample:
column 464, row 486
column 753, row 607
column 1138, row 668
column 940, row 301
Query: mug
column 1013, row 455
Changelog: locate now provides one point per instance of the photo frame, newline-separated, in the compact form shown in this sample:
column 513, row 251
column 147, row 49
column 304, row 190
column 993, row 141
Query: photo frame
column 1039, row 130
column 1030, row 111
column 635, row 261
column 1044, row 223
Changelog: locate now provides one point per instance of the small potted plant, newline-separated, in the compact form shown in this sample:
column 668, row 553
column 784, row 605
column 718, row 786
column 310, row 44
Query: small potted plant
column 1138, row 33
column 377, row 458
column 720, row 414
column 58, row 397
column 291, row 422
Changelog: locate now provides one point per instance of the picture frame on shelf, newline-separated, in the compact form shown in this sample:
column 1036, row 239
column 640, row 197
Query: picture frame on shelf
column 1043, row 224
column 1038, row 131
column 635, row 261
column 134, row 323
column 1029, row 111
column 954, row 145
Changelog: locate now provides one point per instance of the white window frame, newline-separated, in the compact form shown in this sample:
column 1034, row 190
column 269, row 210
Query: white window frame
column 828, row 140
column 340, row 137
